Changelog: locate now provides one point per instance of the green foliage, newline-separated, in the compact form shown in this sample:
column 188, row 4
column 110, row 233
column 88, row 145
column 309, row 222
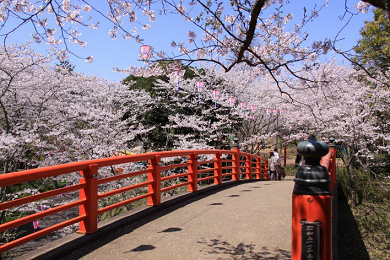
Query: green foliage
column 373, row 49
column 65, row 67
column 372, row 214
column 147, row 84
column 169, row 102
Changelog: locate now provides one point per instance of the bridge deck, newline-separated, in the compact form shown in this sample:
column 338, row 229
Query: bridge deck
column 247, row 221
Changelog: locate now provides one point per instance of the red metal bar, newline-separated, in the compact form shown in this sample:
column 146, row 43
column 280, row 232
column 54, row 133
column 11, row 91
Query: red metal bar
column 122, row 176
column 90, row 194
column 325, row 161
column 155, row 177
column 123, row 203
column 236, row 164
column 228, row 174
column 39, row 233
column 42, row 214
column 218, row 169
column 167, row 167
column 50, row 171
column 248, row 165
column 25, row 200
column 206, row 170
column 332, row 166
column 285, row 156
column 205, row 162
column 124, row 189
column 258, row 168
column 193, row 172
column 170, row 177
column 206, row 178
column 174, row 186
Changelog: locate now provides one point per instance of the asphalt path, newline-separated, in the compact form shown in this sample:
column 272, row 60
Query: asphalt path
column 247, row 221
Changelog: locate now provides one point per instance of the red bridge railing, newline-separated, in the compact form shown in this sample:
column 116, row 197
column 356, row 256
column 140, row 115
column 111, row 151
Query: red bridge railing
column 225, row 165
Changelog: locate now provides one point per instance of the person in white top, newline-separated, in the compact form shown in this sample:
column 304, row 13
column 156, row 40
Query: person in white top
column 278, row 165
column 276, row 153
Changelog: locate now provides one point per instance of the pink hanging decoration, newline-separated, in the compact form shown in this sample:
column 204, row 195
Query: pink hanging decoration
column 280, row 111
column 217, row 94
column 145, row 49
column 268, row 111
column 200, row 85
column 232, row 101
column 35, row 225
column 275, row 111
column 243, row 105
column 253, row 108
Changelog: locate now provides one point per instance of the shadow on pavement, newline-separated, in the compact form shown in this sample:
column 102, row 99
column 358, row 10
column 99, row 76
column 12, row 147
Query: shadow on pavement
column 217, row 248
column 78, row 247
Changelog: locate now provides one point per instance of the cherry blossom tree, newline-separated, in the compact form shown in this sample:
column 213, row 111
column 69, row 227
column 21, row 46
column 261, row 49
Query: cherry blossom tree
column 346, row 108
column 49, row 116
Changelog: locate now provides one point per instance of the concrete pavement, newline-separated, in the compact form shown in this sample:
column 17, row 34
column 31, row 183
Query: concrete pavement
column 248, row 221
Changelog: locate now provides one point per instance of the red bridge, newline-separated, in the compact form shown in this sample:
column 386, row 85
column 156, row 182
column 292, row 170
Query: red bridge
column 240, row 213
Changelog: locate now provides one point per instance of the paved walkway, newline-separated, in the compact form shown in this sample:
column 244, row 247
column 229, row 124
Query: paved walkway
column 247, row 221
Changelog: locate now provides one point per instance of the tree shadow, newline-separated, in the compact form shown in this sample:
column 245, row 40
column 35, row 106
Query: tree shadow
column 142, row 248
column 169, row 230
column 77, row 246
column 241, row 251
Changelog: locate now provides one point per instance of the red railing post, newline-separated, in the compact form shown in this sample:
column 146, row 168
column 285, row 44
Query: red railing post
column 332, row 164
column 90, row 194
column 248, row 167
column 312, row 205
column 266, row 175
column 258, row 168
column 218, row 168
column 155, row 175
column 285, row 155
column 193, row 172
column 236, row 161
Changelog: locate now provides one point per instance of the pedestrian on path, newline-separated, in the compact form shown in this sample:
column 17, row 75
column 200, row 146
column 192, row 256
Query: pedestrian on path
column 272, row 164
column 276, row 154
column 278, row 167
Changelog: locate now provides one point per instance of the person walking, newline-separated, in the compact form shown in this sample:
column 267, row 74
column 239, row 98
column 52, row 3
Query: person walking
column 278, row 170
column 276, row 154
column 272, row 164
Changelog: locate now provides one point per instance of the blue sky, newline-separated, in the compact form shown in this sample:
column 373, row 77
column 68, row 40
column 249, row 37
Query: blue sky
column 121, row 53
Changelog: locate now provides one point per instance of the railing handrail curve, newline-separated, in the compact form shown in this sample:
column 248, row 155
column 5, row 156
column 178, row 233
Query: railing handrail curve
column 89, row 181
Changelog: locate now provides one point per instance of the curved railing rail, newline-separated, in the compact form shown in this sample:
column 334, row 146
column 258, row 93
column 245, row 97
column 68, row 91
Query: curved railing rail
column 226, row 165
column 329, row 161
